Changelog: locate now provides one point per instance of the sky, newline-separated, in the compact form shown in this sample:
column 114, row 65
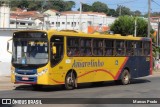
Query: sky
column 141, row 5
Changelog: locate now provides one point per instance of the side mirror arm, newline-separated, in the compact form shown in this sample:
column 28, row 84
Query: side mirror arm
column 8, row 46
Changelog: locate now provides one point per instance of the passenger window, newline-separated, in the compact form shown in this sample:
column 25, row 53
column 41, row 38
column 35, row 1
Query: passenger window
column 120, row 48
column 109, row 47
column 98, row 47
column 85, row 47
column 129, row 48
column 146, row 48
column 138, row 48
column 73, row 46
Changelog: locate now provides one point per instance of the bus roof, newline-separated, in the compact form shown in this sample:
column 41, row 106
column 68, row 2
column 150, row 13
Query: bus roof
column 73, row 33
column 95, row 35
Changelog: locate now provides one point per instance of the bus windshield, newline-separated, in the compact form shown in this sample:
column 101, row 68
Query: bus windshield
column 30, row 51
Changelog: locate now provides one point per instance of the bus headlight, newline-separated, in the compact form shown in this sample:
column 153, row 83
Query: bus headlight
column 43, row 72
column 13, row 70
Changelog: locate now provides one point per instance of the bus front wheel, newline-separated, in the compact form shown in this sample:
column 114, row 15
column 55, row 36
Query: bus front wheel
column 70, row 81
column 125, row 77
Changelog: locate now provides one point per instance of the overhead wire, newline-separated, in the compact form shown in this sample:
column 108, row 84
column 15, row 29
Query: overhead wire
column 123, row 2
column 155, row 2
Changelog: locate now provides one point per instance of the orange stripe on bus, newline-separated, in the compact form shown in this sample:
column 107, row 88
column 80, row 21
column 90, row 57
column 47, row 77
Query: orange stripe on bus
column 114, row 77
column 58, row 82
column 120, row 69
column 97, row 71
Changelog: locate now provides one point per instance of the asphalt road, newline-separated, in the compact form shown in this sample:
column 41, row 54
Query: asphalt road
column 146, row 87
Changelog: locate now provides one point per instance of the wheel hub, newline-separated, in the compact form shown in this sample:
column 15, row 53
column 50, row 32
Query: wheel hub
column 126, row 78
column 70, row 81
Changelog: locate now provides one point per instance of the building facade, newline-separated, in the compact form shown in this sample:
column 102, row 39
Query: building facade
column 87, row 22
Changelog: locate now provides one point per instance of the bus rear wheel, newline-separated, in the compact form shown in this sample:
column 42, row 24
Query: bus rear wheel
column 70, row 81
column 125, row 77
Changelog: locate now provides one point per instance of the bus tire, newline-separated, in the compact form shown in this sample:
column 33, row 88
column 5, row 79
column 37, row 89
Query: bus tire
column 125, row 77
column 70, row 81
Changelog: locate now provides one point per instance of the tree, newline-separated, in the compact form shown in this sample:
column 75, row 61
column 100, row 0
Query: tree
column 99, row 7
column 122, row 10
column 69, row 5
column 23, row 4
column 124, row 25
column 43, row 5
column 35, row 5
column 137, row 13
column 155, row 14
column 112, row 12
column 86, row 8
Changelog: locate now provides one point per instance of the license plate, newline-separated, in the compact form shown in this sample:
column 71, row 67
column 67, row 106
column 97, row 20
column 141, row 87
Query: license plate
column 25, row 78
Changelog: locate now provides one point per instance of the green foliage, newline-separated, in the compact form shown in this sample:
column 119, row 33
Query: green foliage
column 124, row 25
column 137, row 13
column 99, row 7
column 42, row 5
column 112, row 12
column 154, row 14
column 86, row 8
column 124, row 10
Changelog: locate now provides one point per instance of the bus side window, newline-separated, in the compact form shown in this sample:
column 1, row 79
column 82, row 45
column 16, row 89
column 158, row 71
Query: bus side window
column 109, row 47
column 73, row 46
column 129, row 48
column 120, row 48
column 85, row 47
column 146, row 48
column 138, row 48
column 98, row 47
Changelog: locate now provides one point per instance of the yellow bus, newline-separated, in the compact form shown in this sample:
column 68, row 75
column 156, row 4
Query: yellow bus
column 69, row 57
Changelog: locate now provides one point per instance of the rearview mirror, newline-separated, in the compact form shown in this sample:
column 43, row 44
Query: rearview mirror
column 54, row 50
column 8, row 46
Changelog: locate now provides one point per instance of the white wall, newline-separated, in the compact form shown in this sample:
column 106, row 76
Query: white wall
column 5, row 57
column 5, row 35
column 4, row 16
column 95, row 20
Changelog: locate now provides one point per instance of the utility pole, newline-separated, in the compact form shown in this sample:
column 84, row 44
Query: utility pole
column 80, row 18
column 149, row 14
column 157, row 35
column 157, row 39
column 120, row 10
column 135, row 27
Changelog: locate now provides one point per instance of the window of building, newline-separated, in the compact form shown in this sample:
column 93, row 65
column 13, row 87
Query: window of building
column 22, row 23
column 73, row 24
column 68, row 23
column 98, row 47
column 12, row 22
column 89, row 23
column 109, row 47
column 52, row 23
column 57, row 24
column 30, row 24
column 63, row 23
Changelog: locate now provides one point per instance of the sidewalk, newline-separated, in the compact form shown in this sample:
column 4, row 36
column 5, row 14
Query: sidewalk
column 5, row 81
